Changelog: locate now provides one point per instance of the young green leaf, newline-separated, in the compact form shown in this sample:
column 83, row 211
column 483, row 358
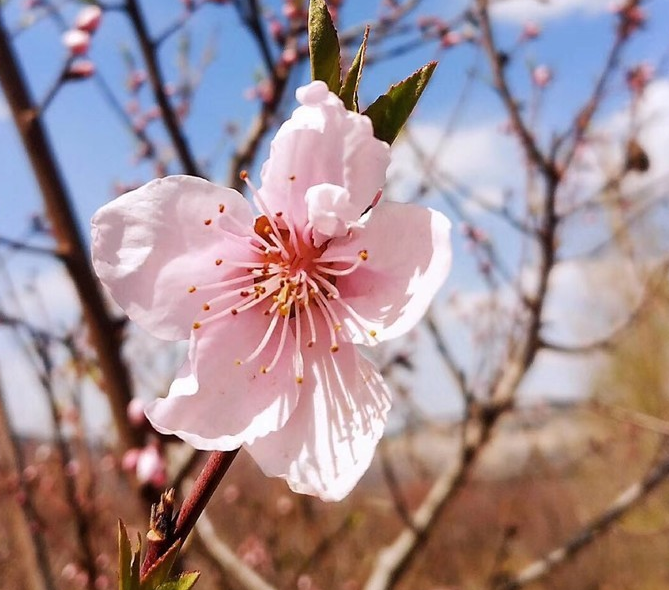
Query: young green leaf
column 184, row 582
column 349, row 89
column 128, row 561
column 324, row 46
column 390, row 111
column 160, row 570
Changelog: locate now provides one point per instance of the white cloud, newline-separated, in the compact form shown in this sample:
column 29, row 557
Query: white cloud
column 480, row 158
column 522, row 11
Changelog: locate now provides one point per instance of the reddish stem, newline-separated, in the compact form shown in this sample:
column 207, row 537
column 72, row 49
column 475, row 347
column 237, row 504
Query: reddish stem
column 205, row 485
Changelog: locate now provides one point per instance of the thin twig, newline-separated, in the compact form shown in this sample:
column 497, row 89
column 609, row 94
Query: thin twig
column 599, row 525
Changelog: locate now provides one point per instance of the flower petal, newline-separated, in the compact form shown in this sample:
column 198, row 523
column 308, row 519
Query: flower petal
column 216, row 404
column 151, row 244
column 329, row 441
column 323, row 143
column 408, row 258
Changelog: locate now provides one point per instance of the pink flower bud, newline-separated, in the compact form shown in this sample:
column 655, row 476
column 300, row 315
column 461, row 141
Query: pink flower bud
column 135, row 412
column 231, row 494
column 531, row 30
column 638, row 77
column 542, row 76
column 76, row 41
column 88, row 19
column 450, row 39
column 289, row 56
column 129, row 460
column 69, row 571
column 150, row 466
column 276, row 30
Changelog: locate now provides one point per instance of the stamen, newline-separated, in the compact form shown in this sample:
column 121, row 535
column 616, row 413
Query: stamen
column 262, row 206
column 334, row 347
column 282, row 344
column 312, row 325
column 336, row 272
column 265, row 339
column 222, row 284
column 299, row 368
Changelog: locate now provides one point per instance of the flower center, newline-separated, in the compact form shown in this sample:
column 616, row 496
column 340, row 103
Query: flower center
column 289, row 280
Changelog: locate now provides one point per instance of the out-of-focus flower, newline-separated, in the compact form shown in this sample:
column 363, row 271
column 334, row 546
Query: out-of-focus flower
column 275, row 305
column 638, row 77
column 135, row 412
column 151, row 468
column 80, row 70
column 531, row 30
column 77, row 42
column 88, row 19
column 542, row 75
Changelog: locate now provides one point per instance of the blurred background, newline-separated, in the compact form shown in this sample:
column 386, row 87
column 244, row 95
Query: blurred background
column 528, row 439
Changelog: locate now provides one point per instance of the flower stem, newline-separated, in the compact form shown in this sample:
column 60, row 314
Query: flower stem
column 165, row 531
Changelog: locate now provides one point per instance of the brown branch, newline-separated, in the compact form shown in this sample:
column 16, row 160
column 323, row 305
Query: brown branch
column 148, row 49
column 599, row 525
column 70, row 243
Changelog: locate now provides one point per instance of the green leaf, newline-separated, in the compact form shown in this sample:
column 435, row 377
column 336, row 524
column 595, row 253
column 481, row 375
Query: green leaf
column 349, row 90
column 128, row 561
column 160, row 570
column 184, row 582
column 324, row 46
column 390, row 111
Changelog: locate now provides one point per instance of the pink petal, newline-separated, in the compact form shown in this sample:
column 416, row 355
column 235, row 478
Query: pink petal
column 329, row 441
column 330, row 211
column 408, row 258
column 323, row 143
column 216, row 404
column 151, row 245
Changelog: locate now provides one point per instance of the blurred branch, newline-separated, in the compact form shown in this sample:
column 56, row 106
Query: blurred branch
column 25, row 247
column 148, row 49
column 24, row 526
column 249, row 12
column 225, row 558
column 599, row 525
column 633, row 417
column 103, row 333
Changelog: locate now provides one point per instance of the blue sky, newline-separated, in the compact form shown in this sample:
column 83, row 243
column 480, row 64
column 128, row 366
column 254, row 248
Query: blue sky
column 95, row 150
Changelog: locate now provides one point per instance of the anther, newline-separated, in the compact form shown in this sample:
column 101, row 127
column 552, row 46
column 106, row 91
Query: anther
column 238, row 363
column 221, row 208
column 363, row 254
column 196, row 325
column 279, row 213
column 310, row 344
column 263, row 370
column 192, row 289
column 207, row 221
column 292, row 177
column 206, row 307
column 372, row 333
column 219, row 262
column 234, row 312
column 299, row 380
column 243, row 175
column 334, row 348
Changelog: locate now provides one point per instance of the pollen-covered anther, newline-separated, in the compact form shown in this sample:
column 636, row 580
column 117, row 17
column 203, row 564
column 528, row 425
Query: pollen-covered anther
column 221, row 208
column 234, row 312
column 196, row 325
column 337, row 327
column 279, row 213
column 299, row 380
column 292, row 177
column 238, row 363
column 334, row 348
column 243, row 175
column 207, row 221
column 206, row 307
column 263, row 370
column 219, row 262
column 192, row 289
column 372, row 333
column 364, row 255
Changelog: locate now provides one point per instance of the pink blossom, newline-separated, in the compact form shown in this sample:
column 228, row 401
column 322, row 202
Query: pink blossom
column 531, row 30
column 81, row 69
column 151, row 467
column 542, row 76
column 135, row 411
column 88, row 19
column 274, row 305
column 76, row 41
